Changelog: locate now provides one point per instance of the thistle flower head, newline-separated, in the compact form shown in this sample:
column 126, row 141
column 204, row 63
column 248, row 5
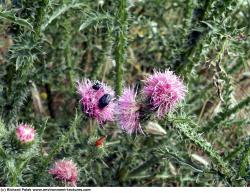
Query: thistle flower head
column 25, row 133
column 163, row 90
column 128, row 112
column 97, row 100
column 65, row 170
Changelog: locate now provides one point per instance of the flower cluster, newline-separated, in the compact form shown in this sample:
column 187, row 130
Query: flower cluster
column 65, row 170
column 162, row 91
column 25, row 133
column 160, row 94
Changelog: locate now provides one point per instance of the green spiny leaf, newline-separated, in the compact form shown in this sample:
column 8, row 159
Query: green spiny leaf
column 95, row 18
column 60, row 11
column 9, row 16
column 245, row 160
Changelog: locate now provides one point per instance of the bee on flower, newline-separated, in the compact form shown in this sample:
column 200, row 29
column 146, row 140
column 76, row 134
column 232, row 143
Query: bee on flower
column 97, row 100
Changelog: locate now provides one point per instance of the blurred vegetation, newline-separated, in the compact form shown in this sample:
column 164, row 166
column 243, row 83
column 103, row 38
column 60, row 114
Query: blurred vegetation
column 47, row 45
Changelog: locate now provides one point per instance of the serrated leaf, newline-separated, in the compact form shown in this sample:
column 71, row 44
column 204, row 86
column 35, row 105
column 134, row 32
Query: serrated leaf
column 245, row 162
column 7, row 15
column 60, row 11
column 94, row 18
column 209, row 25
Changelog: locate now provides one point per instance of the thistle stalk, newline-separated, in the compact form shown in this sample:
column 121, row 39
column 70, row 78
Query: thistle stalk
column 40, row 17
column 193, row 36
column 120, row 50
column 68, row 58
column 107, row 47
column 221, row 165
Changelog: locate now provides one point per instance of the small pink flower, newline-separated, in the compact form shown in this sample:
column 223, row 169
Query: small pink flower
column 65, row 170
column 97, row 100
column 128, row 112
column 25, row 133
column 163, row 90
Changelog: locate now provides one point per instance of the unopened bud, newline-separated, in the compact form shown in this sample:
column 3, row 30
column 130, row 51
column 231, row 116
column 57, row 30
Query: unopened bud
column 101, row 2
column 200, row 159
column 172, row 169
column 154, row 128
column 100, row 141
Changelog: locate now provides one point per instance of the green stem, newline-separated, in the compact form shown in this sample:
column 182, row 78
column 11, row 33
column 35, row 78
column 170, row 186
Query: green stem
column 107, row 47
column 68, row 35
column 144, row 166
column 245, row 160
column 40, row 17
column 193, row 35
column 13, row 182
column 187, row 11
column 223, row 166
column 120, row 51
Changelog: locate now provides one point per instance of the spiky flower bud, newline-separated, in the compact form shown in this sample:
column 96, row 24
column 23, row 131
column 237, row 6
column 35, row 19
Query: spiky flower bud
column 25, row 133
column 154, row 128
column 66, row 171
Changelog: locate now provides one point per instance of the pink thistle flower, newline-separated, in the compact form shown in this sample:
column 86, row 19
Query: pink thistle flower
column 25, row 133
column 128, row 112
column 97, row 100
column 163, row 90
column 65, row 170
